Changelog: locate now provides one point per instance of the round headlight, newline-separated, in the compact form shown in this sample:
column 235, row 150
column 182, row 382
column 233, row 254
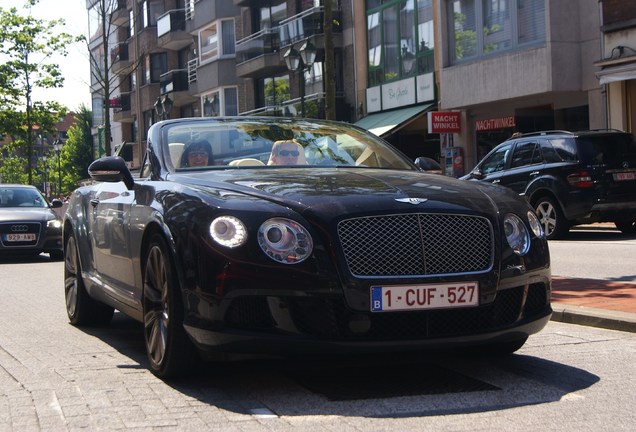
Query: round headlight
column 516, row 234
column 285, row 240
column 228, row 231
column 535, row 225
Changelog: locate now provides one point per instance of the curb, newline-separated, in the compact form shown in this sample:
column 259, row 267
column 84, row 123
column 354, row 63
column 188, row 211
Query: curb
column 593, row 317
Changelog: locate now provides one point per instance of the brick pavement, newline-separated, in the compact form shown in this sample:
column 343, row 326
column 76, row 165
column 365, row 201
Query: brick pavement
column 594, row 302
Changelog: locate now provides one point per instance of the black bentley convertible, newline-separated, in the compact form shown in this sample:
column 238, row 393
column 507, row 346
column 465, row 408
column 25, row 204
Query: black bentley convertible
column 273, row 235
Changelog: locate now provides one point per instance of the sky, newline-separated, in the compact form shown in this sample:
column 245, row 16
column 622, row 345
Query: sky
column 75, row 66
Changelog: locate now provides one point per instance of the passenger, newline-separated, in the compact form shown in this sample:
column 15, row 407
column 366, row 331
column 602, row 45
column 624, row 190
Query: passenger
column 287, row 152
column 197, row 153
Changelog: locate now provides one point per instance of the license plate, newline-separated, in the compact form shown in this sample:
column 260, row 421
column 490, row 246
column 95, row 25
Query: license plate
column 20, row 237
column 624, row 176
column 428, row 296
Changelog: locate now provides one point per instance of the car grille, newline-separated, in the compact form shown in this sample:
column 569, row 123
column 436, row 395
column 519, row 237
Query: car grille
column 331, row 319
column 19, row 228
column 416, row 244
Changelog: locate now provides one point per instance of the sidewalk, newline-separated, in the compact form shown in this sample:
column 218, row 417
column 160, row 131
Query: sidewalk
column 594, row 302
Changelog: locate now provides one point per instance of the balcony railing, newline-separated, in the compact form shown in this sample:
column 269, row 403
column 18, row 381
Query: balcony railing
column 173, row 20
column 256, row 45
column 119, row 52
column 192, row 70
column 174, row 81
column 305, row 24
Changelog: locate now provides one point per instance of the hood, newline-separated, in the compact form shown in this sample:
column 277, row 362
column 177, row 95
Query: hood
column 30, row 214
column 352, row 191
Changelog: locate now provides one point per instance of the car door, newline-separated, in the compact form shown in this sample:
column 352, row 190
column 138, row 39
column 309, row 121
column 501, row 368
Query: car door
column 493, row 166
column 110, row 236
column 526, row 164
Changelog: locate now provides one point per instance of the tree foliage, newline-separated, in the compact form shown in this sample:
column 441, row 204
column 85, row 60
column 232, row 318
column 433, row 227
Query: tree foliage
column 77, row 152
column 27, row 46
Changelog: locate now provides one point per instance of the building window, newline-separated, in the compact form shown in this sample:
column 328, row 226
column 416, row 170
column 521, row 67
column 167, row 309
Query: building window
column 213, row 45
column 151, row 10
column 220, row 103
column 153, row 66
column 400, row 39
column 482, row 27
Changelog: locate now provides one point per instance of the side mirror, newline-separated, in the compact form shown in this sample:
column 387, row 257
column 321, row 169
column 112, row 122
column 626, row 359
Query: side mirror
column 56, row 203
column 111, row 169
column 427, row 164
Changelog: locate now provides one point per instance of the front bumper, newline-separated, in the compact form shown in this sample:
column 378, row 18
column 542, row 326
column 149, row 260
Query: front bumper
column 274, row 323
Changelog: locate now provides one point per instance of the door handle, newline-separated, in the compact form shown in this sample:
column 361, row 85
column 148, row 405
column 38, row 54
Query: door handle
column 534, row 173
column 496, row 181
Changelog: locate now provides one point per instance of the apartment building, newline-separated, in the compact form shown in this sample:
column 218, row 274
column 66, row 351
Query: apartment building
column 179, row 58
column 511, row 66
column 617, row 74
column 447, row 79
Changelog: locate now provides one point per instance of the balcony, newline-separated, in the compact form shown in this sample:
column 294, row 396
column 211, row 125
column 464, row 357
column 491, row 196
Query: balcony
column 121, row 108
column 120, row 15
column 119, row 57
column 306, row 24
column 176, row 83
column 257, row 55
column 171, row 32
column 248, row 3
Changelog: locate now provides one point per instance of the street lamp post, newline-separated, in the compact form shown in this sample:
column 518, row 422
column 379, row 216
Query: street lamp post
column 46, row 189
column 301, row 60
column 163, row 106
column 57, row 146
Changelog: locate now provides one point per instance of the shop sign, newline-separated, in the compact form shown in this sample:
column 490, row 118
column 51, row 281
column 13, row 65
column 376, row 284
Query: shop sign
column 496, row 123
column 444, row 122
column 398, row 94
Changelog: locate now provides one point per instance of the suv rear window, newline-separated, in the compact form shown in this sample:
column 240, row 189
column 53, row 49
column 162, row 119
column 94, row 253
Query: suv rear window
column 565, row 148
column 611, row 150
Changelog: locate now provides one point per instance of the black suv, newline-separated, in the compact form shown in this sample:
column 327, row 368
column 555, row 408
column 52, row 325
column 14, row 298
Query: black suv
column 570, row 178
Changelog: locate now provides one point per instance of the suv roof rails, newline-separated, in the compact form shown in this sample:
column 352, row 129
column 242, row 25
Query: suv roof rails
column 603, row 130
column 540, row 133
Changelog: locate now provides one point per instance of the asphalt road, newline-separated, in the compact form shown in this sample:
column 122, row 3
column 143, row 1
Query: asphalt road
column 57, row 377
column 595, row 252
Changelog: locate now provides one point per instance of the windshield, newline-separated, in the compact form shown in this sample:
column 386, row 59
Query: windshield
column 21, row 197
column 278, row 142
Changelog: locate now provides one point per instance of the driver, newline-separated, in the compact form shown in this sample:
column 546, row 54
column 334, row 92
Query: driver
column 197, row 153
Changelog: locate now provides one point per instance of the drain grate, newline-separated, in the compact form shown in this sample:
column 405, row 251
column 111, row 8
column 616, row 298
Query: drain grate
column 386, row 381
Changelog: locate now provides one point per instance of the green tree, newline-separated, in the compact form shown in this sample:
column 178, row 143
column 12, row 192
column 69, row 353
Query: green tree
column 12, row 167
column 27, row 45
column 77, row 152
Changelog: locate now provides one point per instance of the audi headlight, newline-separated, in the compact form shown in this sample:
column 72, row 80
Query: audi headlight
column 516, row 234
column 535, row 225
column 228, row 231
column 54, row 223
column 285, row 240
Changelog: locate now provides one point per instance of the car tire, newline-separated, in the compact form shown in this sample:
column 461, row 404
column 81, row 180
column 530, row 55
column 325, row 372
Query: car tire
column 170, row 351
column 554, row 223
column 626, row 227
column 81, row 308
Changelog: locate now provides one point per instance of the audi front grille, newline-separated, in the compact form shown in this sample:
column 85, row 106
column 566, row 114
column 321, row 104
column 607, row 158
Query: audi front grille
column 420, row 244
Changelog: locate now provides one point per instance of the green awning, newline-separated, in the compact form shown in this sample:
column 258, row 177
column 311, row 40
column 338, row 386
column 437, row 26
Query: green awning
column 382, row 123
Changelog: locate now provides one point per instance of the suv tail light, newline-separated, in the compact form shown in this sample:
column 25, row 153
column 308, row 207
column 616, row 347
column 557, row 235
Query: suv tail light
column 580, row 180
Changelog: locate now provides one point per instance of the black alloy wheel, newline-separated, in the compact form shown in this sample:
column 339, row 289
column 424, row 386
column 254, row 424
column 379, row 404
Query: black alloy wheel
column 169, row 349
column 80, row 307
column 551, row 218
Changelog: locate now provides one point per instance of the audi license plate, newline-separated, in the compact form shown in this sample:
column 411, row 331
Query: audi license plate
column 20, row 237
column 428, row 296
column 622, row 176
